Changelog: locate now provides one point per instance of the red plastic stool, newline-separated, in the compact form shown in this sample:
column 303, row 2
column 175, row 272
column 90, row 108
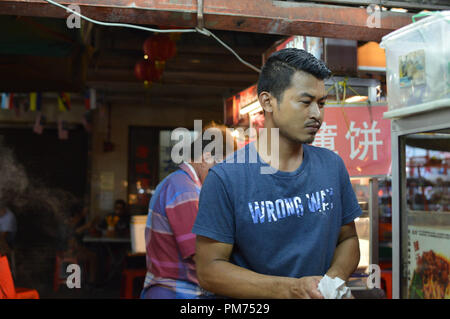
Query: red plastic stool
column 127, row 282
column 7, row 288
column 25, row 293
column 386, row 278
column 60, row 275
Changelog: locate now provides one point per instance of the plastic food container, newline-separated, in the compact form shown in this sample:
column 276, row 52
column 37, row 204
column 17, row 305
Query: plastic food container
column 137, row 231
column 418, row 62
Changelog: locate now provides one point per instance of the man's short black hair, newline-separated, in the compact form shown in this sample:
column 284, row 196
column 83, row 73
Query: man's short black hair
column 120, row 202
column 276, row 74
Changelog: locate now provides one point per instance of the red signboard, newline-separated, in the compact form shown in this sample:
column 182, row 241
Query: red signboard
column 238, row 101
column 360, row 136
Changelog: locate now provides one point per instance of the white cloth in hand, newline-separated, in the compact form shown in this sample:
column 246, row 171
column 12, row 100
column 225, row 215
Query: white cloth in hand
column 334, row 288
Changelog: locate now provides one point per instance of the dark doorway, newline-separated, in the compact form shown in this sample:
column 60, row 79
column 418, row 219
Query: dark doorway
column 59, row 164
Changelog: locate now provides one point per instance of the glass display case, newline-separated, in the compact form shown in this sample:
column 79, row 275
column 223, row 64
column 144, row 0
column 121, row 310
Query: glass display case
column 421, row 205
column 418, row 79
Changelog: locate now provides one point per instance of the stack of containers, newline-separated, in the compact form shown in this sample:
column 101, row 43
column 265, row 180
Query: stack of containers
column 418, row 62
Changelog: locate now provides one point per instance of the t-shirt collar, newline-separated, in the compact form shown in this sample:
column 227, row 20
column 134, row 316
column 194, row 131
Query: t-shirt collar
column 185, row 166
column 297, row 172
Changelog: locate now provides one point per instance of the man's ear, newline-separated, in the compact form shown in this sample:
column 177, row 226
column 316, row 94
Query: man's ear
column 208, row 158
column 267, row 101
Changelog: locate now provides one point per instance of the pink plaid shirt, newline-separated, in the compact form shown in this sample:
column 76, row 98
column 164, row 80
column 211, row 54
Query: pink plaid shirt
column 169, row 240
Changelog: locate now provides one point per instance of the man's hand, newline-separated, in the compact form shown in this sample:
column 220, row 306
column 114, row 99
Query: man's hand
column 307, row 288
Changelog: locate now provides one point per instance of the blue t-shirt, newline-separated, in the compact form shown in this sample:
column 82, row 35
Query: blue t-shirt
column 281, row 224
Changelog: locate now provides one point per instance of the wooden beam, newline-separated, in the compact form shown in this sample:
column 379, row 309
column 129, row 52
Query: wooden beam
column 260, row 16
column 176, row 77
column 164, row 89
column 223, row 63
column 151, row 100
column 407, row 4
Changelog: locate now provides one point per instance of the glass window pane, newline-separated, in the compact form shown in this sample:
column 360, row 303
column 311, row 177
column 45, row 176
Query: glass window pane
column 362, row 223
column 425, row 216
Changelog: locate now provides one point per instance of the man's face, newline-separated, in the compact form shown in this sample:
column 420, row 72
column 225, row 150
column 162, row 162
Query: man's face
column 2, row 211
column 299, row 114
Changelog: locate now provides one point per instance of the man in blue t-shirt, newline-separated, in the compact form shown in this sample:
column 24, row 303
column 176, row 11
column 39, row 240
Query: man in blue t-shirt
column 275, row 233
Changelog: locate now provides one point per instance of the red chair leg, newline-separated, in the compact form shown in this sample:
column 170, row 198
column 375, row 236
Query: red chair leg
column 387, row 278
column 128, row 287
column 25, row 293
column 127, row 281
column 56, row 274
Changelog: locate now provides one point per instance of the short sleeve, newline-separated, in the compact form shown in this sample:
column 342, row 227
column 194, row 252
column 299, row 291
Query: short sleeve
column 181, row 213
column 350, row 206
column 215, row 218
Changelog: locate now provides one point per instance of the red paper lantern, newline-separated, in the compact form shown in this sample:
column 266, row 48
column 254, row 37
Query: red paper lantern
column 155, row 74
column 160, row 47
column 145, row 70
column 140, row 70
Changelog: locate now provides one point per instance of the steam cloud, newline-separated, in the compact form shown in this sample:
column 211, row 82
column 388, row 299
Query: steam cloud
column 42, row 214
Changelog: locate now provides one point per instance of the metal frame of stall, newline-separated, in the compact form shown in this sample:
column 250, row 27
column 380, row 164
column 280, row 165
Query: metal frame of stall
column 373, row 207
column 410, row 120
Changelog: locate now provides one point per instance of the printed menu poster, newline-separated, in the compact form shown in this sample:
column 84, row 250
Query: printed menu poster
column 428, row 262
column 107, row 181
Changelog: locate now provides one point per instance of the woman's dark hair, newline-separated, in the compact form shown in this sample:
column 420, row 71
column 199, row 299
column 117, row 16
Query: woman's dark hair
column 276, row 74
column 121, row 202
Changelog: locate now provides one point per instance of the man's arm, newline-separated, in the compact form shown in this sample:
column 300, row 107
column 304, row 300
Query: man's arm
column 346, row 256
column 216, row 274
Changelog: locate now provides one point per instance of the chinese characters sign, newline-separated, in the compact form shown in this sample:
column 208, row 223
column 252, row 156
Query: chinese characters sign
column 142, row 167
column 360, row 136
